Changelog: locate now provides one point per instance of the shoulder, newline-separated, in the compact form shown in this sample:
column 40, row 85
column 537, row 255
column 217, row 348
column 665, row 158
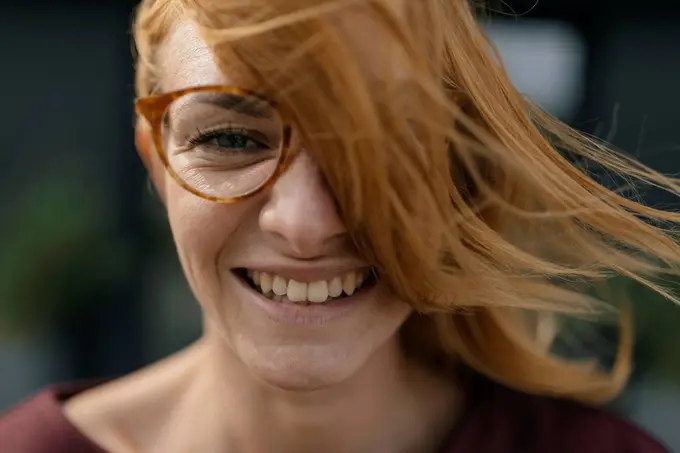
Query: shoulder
column 575, row 427
column 38, row 425
column 523, row 423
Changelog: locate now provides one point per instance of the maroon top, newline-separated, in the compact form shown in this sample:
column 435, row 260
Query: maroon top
column 499, row 421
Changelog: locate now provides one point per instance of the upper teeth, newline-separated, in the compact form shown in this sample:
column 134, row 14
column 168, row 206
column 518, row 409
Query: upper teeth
column 277, row 287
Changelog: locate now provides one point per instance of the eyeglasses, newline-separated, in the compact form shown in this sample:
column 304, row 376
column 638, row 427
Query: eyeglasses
column 220, row 143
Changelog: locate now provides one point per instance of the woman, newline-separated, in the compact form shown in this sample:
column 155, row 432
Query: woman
column 380, row 232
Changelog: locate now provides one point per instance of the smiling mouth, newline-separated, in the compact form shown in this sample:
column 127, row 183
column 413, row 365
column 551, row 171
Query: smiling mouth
column 281, row 289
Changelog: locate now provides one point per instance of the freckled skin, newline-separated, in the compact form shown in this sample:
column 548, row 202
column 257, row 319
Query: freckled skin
column 295, row 220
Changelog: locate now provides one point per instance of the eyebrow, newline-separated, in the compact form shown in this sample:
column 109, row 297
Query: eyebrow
column 252, row 106
column 246, row 106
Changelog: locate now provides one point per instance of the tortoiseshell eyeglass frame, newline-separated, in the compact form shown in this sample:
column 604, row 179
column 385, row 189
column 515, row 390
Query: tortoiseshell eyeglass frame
column 153, row 109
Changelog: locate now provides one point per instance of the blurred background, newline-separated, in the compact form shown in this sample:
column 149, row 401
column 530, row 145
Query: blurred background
column 89, row 282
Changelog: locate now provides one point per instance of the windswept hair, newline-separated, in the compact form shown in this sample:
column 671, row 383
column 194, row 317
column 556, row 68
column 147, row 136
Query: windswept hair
column 464, row 195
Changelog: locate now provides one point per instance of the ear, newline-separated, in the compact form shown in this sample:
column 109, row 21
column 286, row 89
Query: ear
column 147, row 152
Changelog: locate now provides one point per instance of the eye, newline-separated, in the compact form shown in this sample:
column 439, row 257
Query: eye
column 229, row 139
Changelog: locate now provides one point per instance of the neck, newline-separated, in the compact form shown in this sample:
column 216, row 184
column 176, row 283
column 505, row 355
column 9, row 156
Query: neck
column 390, row 405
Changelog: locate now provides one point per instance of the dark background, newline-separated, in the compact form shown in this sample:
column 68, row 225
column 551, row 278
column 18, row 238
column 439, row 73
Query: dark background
column 89, row 283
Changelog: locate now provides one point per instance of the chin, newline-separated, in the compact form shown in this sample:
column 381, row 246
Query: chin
column 304, row 368
column 299, row 381
column 307, row 348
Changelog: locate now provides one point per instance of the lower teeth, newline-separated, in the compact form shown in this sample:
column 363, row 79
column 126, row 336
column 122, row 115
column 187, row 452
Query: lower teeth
column 284, row 299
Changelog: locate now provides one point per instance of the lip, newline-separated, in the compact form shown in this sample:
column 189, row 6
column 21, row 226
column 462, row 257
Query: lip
column 305, row 315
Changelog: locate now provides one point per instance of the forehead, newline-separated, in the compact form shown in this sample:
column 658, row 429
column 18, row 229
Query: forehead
column 186, row 60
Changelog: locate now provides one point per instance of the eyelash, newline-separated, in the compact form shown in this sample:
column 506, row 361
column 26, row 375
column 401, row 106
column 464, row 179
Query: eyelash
column 203, row 137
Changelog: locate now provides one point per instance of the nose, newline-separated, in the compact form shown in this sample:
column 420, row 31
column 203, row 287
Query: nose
column 301, row 214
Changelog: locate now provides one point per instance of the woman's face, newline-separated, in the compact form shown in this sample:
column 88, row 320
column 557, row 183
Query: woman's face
column 288, row 238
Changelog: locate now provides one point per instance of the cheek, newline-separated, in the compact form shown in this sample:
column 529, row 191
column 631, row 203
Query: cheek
column 202, row 231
